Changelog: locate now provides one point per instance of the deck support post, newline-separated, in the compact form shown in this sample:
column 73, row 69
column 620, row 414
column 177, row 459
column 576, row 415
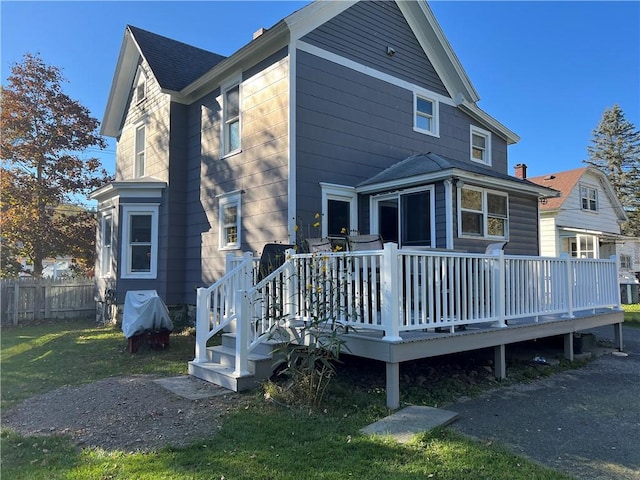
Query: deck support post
column 393, row 385
column 499, row 362
column 617, row 331
column 568, row 346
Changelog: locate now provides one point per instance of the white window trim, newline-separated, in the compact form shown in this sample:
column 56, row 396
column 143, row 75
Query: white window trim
column 588, row 188
column 231, row 82
column 435, row 120
column 484, row 133
column 106, row 270
column 224, row 200
column 485, row 214
column 135, row 151
column 139, row 209
column 375, row 199
column 341, row 193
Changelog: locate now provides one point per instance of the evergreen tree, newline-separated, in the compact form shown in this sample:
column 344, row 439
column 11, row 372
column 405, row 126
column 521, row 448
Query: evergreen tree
column 615, row 150
column 44, row 135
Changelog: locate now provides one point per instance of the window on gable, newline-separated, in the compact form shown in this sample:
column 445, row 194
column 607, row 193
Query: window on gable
column 140, row 246
column 625, row 261
column 139, row 160
column 231, row 126
column 425, row 115
column 480, row 145
column 230, row 216
column 589, row 198
column 141, row 88
column 482, row 213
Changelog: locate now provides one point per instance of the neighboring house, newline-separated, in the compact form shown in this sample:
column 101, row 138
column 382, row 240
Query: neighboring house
column 585, row 221
column 357, row 110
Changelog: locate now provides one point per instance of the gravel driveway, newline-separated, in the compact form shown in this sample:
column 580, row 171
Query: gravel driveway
column 584, row 422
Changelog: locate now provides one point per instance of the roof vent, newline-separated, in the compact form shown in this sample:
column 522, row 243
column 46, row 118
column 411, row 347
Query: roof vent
column 550, row 177
column 259, row 32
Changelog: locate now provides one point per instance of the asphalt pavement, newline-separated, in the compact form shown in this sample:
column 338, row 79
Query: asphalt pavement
column 583, row 422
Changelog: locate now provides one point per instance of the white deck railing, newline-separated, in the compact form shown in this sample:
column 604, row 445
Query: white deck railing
column 396, row 290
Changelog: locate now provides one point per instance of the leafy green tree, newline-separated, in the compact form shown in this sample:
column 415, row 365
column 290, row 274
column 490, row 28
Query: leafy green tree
column 44, row 169
column 615, row 150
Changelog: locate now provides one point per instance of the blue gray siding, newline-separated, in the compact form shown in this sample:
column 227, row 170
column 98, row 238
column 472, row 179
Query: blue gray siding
column 363, row 32
column 351, row 126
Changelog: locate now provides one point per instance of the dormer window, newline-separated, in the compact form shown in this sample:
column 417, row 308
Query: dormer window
column 141, row 88
column 480, row 145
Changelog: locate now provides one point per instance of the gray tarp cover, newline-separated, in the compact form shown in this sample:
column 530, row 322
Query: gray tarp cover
column 144, row 310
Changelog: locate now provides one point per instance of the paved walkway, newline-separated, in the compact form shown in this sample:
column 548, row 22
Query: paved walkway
column 584, row 422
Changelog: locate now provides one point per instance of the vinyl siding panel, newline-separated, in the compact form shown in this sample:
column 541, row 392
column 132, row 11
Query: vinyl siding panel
column 351, row 126
column 549, row 241
column 260, row 170
column 572, row 214
column 154, row 113
column 363, row 32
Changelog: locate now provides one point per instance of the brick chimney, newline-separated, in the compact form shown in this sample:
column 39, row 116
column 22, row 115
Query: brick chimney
column 521, row 171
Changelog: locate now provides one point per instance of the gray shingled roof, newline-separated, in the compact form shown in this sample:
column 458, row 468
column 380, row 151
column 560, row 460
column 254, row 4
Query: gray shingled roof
column 429, row 163
column 174, row 64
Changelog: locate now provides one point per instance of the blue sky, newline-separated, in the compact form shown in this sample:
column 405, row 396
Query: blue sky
column 547, row 70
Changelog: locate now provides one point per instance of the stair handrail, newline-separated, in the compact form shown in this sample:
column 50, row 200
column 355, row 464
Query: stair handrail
column 251, row 302
column 211, row 321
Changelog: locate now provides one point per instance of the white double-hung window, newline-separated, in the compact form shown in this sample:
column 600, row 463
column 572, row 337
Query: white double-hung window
column 230, row 220
column 231, row 116
column 482, row 213
column 105, row 244
column 140, row 147
column 480, row 145
column 140, row 241
column 425, row 114
column 589, row 198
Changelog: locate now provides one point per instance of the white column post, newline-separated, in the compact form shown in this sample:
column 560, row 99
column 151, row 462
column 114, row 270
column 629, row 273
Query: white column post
column 291, row 286
column 501, row 293
column 616, row 284
column 569, row 285
column 390, row 295
column 203, row 300
column 243, row 318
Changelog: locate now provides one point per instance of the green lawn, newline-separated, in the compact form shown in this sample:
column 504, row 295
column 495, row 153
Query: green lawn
column 632, row 315
column 263, row 441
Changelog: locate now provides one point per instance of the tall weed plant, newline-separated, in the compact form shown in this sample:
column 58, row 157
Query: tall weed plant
column 310, row 347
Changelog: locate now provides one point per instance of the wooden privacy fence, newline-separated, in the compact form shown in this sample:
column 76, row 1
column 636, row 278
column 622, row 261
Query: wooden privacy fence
column 37, row 299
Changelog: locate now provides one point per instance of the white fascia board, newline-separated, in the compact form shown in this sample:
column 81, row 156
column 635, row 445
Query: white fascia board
column 274, row 39
column 481, row 116
column 309, row 18
column 120, row 86
column 150, row 188
column 470, row 177
column 435, row 44
column 486, row 181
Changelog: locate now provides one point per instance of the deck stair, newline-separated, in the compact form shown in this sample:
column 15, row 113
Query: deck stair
column 220, row 366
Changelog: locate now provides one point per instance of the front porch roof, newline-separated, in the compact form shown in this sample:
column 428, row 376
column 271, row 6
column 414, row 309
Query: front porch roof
column 429, row 167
